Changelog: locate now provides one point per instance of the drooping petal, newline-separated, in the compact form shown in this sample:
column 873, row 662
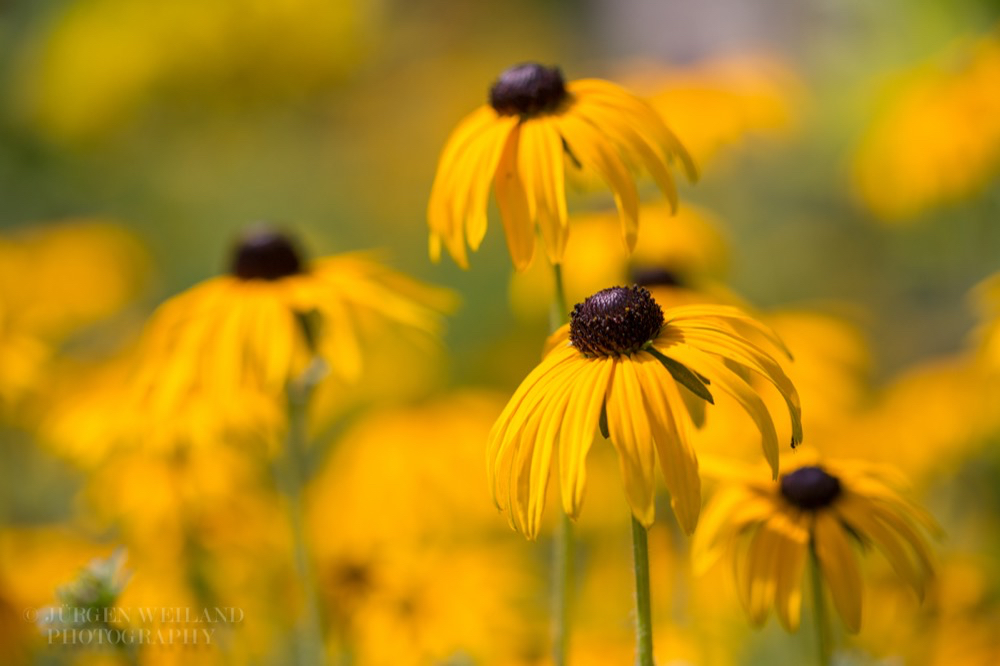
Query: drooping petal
column 727, row 380
column 641, row 114
column 440, row 208
column 678, row 461
column 762, row 561
column 749, row 355
column 594, row 153
column 719, row 317
column 858, row 514
column 631, row 142
column 790, row 563
column 729, row 511
column 505, row 435
column 540, row 161
column 541, row 461
column 578, row 429
column 512, row 200
column 630, row 433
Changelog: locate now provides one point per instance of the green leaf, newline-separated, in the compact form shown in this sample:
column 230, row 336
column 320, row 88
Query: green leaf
column 684, row 376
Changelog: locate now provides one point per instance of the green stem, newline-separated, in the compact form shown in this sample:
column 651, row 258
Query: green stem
column 562, row 547
column 560, row 311
column 823, row 643
column 562, row 565
column 643, row 614
column 309, row 638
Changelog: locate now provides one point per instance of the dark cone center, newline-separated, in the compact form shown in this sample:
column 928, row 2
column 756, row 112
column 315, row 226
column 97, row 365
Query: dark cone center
column 614, row 321
column 265, row 254
column 527, row 90
column 656, row 276
column 810, row 487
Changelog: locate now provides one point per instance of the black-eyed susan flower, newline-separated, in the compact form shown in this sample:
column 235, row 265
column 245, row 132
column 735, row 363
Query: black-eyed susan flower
column 246, row 327
column 624, row 364
column 222, row 353
column 536, row 130
column 827, row 508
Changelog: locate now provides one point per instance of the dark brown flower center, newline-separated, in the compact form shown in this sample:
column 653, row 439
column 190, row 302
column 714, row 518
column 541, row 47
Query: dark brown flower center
column 527, row 90
column 614, row 321
column 265, row 254
column 810, row 487
column 656, row 276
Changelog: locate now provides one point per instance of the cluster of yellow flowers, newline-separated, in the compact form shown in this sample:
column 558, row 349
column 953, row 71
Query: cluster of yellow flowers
column 277, row 440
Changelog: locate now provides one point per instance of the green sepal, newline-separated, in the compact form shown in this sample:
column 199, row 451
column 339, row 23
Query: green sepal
column 684, row 376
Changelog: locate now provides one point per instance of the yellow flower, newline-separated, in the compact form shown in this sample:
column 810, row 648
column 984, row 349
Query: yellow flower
column 54, row 281
column 394, row 515
column 624, row 364
column 536, row 130
column 220, row 354
column 687, row 249
column 720, row 101
column 769, row 529
column 937, row 137
column 418, row 452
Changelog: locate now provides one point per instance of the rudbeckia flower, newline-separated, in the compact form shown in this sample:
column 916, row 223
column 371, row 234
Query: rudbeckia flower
column 238, row 339
column 628, row 366
column 770, row 528
column 537, row 130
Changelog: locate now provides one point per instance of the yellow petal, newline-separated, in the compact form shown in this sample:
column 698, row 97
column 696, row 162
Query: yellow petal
column 540, row 161
column 628, row 426
column 857, row 513
column 595, row 154
column 724, row 378
column 678, row 461
column 512, row 200
column 790, row 562
column 577, row 434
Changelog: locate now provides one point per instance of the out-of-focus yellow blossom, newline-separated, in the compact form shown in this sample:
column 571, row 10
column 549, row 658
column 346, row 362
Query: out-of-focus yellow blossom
column 954, row 401
column 897, row 626
column 936, row 138
column 100, row 61
column 624, row 364
column 410, row 604
column 536, row 131
column 55, row 280
column 969, row 641
column 687, row 248
column 214, row 361
column 394, row 514
column 721, row 100
column 768, row 529
column 406, row 473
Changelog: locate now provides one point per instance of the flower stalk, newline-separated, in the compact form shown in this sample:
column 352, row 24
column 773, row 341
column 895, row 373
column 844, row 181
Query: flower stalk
column 562, row 548
column 294, row 475
column 824, row 650
column 643, row 613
